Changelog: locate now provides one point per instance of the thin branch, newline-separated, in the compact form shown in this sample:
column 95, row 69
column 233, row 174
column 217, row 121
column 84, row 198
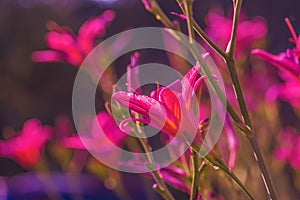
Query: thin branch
column 241, row 100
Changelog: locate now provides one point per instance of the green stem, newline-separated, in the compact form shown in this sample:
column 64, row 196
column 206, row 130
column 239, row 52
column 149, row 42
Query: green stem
column 161, row 186
column 264, row 171
column 161, row 16
column 241, row 100
column 238, row 90
column 201, row 33
column 218, row 164
column 188, row 6
column 225, row 169
column 236, row 15
column 195, row 179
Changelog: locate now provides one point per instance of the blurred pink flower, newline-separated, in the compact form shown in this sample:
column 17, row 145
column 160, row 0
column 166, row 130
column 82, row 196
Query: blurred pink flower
column 27, row 146
column 94, row 141
column 255, row 83
column 249, row 31
column 67, row 47
column 288, row 63
column 289, row 149
column 176, row 177
column 170, row 108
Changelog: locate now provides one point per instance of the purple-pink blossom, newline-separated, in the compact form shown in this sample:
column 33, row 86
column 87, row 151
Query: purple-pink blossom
column 27, row 146
column 94, row 141
column 289, row 150
column 288, row 64
column 170, row 108
column 66, row 47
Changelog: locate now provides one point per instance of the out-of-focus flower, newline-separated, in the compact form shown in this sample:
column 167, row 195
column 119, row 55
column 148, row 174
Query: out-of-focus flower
column 176, row 177
column 94, row 141
column 255, row 84
column 170, row 109
column 289, row 149
column 249, row 31
column 67, row 47
column 288, row 63
column 27, row 146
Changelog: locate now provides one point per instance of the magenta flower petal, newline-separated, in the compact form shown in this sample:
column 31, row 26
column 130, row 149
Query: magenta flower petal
column 47, row 56
column 67, row 45
column 171, row 103
column 95, row 141
column 73, row 142
column 188, row 83
column 289, row 150
column 93, row 28
column 109, row 127
column 26, row 148
column 139, row 103
column 174, row 181
column 280, row 61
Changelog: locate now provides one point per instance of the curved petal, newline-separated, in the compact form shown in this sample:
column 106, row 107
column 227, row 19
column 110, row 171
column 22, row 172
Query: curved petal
column 281, row 62
column 47, row 56
column 139, row 103
column 94, row 27
column 65, row 43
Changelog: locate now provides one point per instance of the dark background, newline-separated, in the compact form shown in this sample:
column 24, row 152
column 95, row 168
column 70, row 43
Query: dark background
column 29, row 89
column 41, row 90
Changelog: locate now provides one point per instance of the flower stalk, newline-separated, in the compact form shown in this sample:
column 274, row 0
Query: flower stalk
column 188, row 6
column 216, row 163
column 194, row 188
column 219, row 164
column 160, row 185
column 244, row 124
column 241, row 100
column 246, row 127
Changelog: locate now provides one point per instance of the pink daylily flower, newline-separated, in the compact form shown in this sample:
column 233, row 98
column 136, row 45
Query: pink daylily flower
column 288, row 63
column 66, row 47
column 27, row 146
column 170, row 108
